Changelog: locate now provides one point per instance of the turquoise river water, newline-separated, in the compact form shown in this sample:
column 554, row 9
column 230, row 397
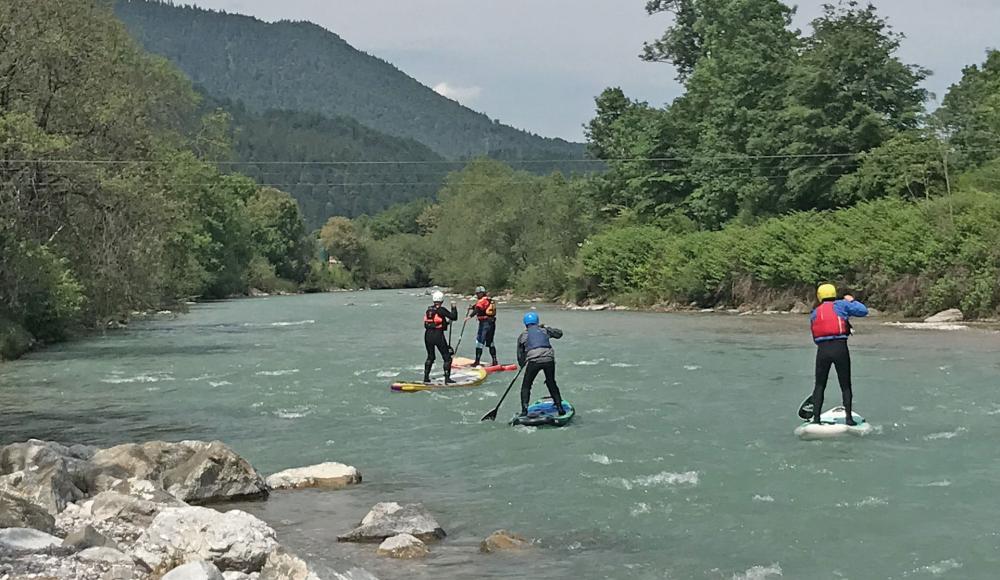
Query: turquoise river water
column 681, row 462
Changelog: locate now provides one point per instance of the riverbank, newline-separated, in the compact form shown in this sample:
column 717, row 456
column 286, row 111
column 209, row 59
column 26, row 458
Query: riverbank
column 134, row 512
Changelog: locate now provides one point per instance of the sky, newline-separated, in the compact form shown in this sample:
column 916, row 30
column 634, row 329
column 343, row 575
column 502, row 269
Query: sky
column 538, row 64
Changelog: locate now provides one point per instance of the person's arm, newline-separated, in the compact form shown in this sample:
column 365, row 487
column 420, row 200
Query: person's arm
column 452, row 314
column 855, row 308
column 553, row 332
column 522, row 356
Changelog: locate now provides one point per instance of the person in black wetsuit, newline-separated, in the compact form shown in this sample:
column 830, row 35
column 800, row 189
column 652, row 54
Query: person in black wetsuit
column 435, row 325
column 830, row 329
column 535, row 354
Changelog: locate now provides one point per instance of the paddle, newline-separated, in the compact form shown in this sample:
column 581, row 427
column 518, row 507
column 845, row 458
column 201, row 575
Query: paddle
column 806, row 410
column 492, row 415
column 460, row 335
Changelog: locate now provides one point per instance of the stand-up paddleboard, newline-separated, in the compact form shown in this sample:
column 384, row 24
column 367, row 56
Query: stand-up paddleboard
column 462, row 362
column 462, row 377
column 543, row 413
column 833, row 423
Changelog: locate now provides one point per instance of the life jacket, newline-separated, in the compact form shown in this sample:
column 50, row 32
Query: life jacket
column 828, row 325
column 537, row 338
column 485, row 308
column 433, row 319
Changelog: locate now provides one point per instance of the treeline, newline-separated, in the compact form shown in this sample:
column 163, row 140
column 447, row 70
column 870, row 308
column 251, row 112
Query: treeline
column 789, row 160
column 106, row 203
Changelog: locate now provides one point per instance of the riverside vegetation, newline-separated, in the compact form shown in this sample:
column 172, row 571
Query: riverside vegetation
column 790, row 159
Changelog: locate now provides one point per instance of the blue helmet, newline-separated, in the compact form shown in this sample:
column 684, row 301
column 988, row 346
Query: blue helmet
column 530, row 318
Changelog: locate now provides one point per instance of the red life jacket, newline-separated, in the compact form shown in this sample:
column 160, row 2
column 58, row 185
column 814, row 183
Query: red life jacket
column 827, row 324
column 433, row 319
column 484, row 310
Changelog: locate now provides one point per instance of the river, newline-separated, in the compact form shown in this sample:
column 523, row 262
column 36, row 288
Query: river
column 680, row 464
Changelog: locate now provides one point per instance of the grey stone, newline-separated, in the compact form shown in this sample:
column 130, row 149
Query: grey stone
column 27, row 539
column 16, row 512
column 327, row 475
column 88, row 537
column 191, row 471
column 502, row 540
column 234, row 540
column 104, row 554
column 281, row 565
column 403, row 547
column 389, row 519
column 952, row 315
column 200, row 570
column 46, row 474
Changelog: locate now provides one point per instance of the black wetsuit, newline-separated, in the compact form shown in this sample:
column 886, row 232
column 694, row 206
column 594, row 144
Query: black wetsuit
column 832, row 353
column 536, row 355
column 434, row 338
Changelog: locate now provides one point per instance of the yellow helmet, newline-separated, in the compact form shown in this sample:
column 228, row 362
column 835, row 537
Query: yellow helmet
column 826, row 292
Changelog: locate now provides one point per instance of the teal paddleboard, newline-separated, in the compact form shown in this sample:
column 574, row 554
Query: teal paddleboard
column 543, row 413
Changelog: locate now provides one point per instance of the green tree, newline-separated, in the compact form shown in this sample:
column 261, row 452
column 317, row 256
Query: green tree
column 970, row 111
column 340, row 239
column 279, row 234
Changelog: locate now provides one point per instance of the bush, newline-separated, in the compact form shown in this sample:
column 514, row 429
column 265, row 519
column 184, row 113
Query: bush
column 323, row 278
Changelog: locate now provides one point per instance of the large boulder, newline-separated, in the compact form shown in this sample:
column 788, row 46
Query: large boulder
column 191, row 471
column 110, row 505
column 88, row 537
column 952, row 315
column 17, row 539
column 281, row 565
column 403, row 547
column 390, row 519
column 46, row 474
column 20, row 513
column 200, row 570
column 104, row 554
column 328, row 475
column 502, row 540
column 234, row 540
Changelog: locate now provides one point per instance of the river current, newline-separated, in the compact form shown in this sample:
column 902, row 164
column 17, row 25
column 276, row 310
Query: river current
column 681, row 462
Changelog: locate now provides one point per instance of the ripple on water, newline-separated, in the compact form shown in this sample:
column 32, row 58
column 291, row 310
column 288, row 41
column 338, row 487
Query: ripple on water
column 279, row 373
column 387, row 374
column 296, row 412
column 759, row 572
column 598, row 458
column 763, row 498
column 143, row 378
column 691, row 367
column 588, row 363
column 945, row 434
column 937, row 568
column 662, row 479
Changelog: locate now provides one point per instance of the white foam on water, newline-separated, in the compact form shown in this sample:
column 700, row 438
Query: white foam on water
column 691, row 367
column 640, row 508
column 867, row 502
column 152, row 389
column 487, row 395
column 257, row 405
column 377, row 410
column 387, row 374
column 143, row 378
column 909, row 408
column 598, row 458
column 942, row 483
column 296, row 412
column 664, row 478
column 622, row 365
column 937, row 568
column 759, row 572
column 295, row 323
column 218, row 383
column 355, row 574
column 330, row 442
column 945, row 434
column 276, row 373
column 763, row 498
column 588, row 363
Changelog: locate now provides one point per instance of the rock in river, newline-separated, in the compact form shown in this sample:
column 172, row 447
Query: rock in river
column 390, row 519
column 325, row 476
column 403, row 546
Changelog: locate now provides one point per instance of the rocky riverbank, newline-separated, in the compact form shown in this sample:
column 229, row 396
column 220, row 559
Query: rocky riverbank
column 138, row 512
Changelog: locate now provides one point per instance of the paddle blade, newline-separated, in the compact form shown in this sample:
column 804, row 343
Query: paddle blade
column 806, row 410
column 491, row 416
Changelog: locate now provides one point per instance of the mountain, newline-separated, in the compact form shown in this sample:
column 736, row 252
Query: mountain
column 315, row 158
column 299, row 66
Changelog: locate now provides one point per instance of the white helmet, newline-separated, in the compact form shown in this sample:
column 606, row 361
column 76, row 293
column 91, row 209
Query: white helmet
column 438, row 296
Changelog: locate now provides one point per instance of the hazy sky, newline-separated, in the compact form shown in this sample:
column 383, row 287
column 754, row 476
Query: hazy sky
column 537, row 64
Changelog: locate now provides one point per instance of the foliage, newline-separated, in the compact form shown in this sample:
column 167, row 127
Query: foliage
column 340, row 239
column 970, row 111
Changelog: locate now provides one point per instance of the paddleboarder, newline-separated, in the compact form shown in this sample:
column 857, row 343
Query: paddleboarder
column 830, row 322
column 535, row 354
column 435, row 325
column 485, row 311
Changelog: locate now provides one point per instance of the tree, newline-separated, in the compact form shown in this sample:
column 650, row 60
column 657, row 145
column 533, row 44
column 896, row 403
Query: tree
column 279, row 234
column 340, row 240
column 970, row 112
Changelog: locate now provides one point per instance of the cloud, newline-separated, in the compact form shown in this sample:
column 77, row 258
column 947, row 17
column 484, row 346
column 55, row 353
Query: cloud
column 460, row 94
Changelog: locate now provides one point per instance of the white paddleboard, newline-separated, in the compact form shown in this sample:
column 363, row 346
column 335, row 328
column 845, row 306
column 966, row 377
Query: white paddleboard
column 833, row 424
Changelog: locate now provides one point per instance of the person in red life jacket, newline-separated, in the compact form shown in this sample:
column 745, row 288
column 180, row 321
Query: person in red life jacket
column 831, row 327
column 485, row 311
column 535, row 354
column 435, row 326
